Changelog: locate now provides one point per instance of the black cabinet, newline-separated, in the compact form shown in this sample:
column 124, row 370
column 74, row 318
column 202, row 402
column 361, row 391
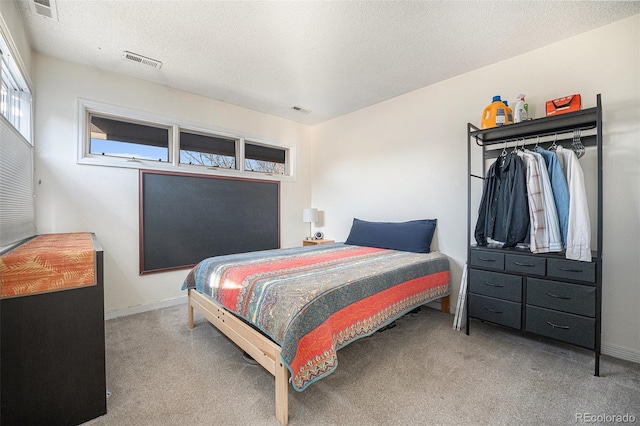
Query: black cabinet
column 545, row 294
column 52, row 346
column 525, row 294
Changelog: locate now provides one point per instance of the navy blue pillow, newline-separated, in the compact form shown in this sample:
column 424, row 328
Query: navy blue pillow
column 414, row 236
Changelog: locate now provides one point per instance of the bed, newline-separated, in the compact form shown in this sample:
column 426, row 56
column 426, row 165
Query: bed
column 292, row 309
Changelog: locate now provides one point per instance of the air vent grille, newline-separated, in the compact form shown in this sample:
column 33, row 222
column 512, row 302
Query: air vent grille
column 45, row 8
column 141, row 59
column 300, row 109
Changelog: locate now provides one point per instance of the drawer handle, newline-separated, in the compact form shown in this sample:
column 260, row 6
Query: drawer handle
column 493, row 285
column 577, row 271
column 558, row 297
column 486, row 260
column 564, row 327
column 493, row 311
column 524, row 264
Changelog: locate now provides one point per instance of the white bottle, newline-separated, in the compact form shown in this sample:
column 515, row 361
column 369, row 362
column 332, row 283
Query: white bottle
column 519, row 111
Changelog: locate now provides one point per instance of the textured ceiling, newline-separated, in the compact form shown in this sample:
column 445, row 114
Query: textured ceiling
column 329, row 57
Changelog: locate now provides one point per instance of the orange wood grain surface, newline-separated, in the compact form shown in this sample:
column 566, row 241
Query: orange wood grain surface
column 48, row 262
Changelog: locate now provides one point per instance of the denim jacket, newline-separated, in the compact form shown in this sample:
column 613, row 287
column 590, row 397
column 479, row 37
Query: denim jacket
column 504, row 210
column 560, row 190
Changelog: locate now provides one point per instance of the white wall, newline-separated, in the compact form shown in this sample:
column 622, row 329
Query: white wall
column 406, row 158
column 104, row 200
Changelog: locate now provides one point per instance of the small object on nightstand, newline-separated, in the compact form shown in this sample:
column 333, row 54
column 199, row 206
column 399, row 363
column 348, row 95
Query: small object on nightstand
column 318, row 235
column 316, row 242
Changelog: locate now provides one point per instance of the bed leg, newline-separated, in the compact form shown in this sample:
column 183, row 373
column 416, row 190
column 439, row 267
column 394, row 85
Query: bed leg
column 445, row 305
column 190, row 310
column 282, row 392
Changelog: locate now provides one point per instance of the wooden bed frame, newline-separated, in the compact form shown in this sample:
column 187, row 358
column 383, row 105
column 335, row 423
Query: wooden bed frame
column 261, row 348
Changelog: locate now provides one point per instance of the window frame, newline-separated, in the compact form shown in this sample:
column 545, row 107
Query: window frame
column 89, row 108
column 15, row 78
column 209, row 133
column 86, row 108
column 130, row 121
column 287, row 160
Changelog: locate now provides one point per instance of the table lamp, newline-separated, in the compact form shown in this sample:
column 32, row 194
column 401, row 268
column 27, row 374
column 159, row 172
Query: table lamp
column 310, row 216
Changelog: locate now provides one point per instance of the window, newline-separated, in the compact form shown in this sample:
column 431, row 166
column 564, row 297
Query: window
column 128, row 139
column 265, row 159
column 208, row 150
column 119, row 137
column 17, row 210
column 15, row 96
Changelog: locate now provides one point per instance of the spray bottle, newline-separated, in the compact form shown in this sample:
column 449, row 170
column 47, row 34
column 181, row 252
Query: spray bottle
column 520, row 111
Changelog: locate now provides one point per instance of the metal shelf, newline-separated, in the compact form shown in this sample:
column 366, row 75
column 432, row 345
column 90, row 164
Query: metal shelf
column 584, row 120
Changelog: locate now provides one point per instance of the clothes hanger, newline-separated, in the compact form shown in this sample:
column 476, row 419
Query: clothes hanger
column 553, row 145
column 577, row 145
column 515, row 147
column 504, row 150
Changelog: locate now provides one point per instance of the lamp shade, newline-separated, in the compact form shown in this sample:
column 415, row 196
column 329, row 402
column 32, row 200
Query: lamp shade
column 310, row 215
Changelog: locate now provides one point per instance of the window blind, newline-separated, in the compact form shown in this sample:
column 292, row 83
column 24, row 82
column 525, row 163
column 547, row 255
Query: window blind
column 122, row 131
column 17, row 210
column 210, row 144
column 264, row 153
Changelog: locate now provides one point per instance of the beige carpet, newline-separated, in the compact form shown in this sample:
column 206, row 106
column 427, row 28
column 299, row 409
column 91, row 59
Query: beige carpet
column 421, row 372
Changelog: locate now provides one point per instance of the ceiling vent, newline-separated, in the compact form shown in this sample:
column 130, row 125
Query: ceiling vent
column 46, row 8
column 141, row 59
column 300, row 109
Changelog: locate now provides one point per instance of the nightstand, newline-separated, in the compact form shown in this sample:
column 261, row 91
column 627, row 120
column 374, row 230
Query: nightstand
column 316, row 242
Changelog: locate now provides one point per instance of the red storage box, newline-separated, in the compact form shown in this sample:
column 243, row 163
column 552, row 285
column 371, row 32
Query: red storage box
column 565, row 104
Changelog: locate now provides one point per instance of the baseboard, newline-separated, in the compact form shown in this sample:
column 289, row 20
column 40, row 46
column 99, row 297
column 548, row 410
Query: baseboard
column 145, row 307
column 621, row 353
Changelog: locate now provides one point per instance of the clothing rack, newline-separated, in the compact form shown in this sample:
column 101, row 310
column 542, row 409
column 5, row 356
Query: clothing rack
column 551, row 269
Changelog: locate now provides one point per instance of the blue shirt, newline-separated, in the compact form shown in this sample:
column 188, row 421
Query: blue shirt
column 560, row 190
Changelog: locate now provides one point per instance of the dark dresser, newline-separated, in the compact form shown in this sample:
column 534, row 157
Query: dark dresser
column 52, row 343
column 544, row 294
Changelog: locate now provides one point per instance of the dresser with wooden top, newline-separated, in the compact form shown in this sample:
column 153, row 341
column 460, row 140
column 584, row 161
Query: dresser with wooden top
column 52, row 338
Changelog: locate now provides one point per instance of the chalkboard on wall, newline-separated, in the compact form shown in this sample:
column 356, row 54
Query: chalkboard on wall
column 185, row 218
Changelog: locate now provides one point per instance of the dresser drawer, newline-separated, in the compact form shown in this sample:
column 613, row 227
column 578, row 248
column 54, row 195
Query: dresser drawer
column 572, row 298
column 495, row 284
column 562, row 326
column 572, row 269
column 495, row 310
column 525, row 264
column 487, row 259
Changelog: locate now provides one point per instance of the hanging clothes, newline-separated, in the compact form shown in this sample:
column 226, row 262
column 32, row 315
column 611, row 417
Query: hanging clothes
column 578, row 245
column 504, row 213
column 538, row 234
column 559, row 188
column 554, row 241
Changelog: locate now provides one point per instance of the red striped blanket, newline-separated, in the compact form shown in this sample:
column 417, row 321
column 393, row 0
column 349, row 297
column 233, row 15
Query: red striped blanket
column 314, row 300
